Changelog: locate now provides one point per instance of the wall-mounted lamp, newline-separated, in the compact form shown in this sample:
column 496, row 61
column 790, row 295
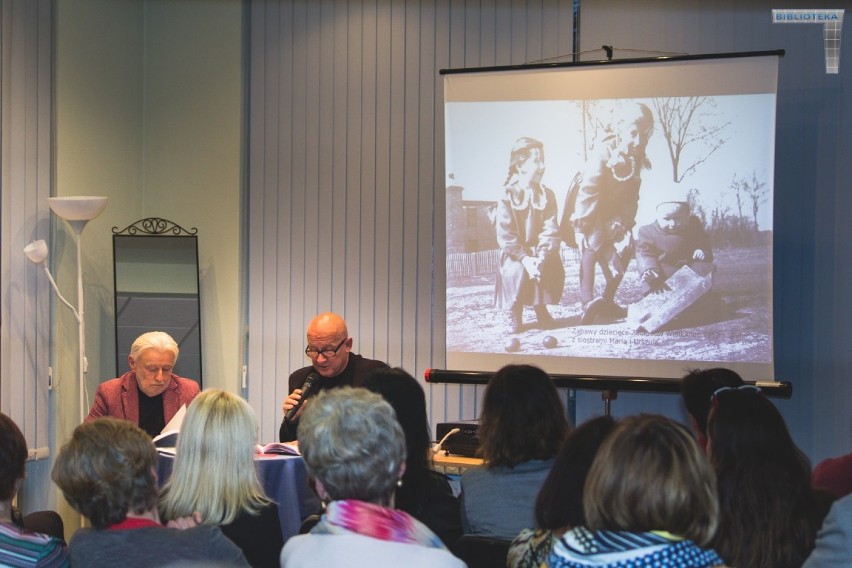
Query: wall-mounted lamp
column 77, row 211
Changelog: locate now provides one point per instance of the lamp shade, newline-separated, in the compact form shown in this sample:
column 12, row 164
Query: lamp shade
column 77, row 208
column 36, row 251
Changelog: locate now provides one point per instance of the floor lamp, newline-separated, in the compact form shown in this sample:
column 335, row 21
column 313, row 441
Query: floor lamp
column 77, row 211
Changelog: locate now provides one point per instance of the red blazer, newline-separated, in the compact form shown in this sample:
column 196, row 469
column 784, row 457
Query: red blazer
column 119, row 398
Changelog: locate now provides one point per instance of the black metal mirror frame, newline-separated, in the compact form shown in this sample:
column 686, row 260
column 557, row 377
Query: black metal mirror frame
column 158, row 227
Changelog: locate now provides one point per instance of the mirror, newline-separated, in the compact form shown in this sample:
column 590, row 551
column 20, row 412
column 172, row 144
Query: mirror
column 157, row 289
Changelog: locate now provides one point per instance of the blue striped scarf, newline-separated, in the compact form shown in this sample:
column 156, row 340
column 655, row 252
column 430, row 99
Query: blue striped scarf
column 582, row 548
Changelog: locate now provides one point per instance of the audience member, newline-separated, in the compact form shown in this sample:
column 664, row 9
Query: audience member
column 834, row 541
column 522, row 427
column 425, row 494
column 149, row 394
column 769, row 515
column 559, row 506
column 45, row 522
column 697, row 387
column 18, row 546
column 330, row 350
column 834, row 474
column 354, row 450
column 649, row 500
column 215, row 475
column 107, row 473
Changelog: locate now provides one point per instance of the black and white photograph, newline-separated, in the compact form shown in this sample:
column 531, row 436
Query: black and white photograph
column 611, row 230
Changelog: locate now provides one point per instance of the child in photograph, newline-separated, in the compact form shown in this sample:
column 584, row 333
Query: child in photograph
column 674, row 240
column 598, row 218
column 531, row 271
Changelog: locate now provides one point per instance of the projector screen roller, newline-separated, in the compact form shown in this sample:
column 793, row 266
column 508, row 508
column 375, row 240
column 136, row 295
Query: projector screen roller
column 612, row 219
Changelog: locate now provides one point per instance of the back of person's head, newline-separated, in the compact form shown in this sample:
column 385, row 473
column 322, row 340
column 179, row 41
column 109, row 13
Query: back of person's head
column 649, row 474
column 698, row 386
column 157, row 340
column 522, row 417
column 406, row 396
column 765, row 495
column 353, row 444
column 560, row 501
column 214, row 470
column 13, row 456
column 107, row 469
column 746, row 430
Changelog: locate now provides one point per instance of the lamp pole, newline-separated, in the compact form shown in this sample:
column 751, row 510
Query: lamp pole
column 77, row 212
column 81, row 326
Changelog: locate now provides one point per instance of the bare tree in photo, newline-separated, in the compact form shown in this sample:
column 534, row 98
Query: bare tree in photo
column 720, row 213
column 758, row 192
column 738, row 186
column 593, row 127
column 692, row 131
column 693, row 198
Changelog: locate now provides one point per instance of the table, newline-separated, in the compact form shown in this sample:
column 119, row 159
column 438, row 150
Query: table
column 451, row 464
column 285, row 481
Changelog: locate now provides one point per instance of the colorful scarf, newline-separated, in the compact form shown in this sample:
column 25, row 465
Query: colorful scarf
column 375, row 521
column 581, row 547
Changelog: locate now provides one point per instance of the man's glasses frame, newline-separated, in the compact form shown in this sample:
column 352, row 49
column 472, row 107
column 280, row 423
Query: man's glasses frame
column 327, row 353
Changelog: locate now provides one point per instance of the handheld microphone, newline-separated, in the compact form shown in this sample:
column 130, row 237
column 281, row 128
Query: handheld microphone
column 437, row 447
column 307, row 387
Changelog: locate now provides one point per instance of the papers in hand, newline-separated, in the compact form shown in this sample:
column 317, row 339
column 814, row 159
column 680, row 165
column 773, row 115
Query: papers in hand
column 168, row 437
column 280, row 448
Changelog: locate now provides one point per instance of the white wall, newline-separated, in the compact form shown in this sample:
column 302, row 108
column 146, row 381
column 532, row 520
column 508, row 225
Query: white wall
column 148, row 112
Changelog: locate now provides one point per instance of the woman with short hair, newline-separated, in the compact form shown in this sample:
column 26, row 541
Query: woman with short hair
column 107, row 472
column 649, row 500
column 214, row 475
column 354, row 450
column 522, row 426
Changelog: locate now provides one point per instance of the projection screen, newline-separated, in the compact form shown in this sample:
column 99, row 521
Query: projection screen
column 612, row 219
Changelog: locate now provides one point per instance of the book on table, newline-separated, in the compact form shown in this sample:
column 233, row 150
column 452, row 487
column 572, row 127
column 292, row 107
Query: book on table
column 167, row 438
column 280, row 448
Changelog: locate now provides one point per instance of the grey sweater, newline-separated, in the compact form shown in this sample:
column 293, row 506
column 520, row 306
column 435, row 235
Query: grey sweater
column 154, row 546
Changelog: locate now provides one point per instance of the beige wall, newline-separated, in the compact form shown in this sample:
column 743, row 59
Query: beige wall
column 148, row 112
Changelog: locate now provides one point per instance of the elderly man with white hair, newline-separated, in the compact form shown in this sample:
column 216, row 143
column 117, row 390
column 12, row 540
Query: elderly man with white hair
column 149, row 394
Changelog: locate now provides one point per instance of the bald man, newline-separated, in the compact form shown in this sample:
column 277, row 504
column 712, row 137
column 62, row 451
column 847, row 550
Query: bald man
column 330, row 351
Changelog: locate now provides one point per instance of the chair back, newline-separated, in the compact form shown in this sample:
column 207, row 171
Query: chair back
column 482, row 551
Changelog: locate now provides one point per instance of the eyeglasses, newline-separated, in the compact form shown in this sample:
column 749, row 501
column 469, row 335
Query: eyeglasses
column 327, row 353
column 714, row 398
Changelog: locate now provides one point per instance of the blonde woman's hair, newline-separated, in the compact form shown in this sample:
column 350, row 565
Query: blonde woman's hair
column 214, row 471
column 159, row 340
column 650, row 475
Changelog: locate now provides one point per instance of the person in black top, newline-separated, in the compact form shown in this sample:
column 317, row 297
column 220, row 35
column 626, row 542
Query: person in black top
column 424, row 494
column 329, row 348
